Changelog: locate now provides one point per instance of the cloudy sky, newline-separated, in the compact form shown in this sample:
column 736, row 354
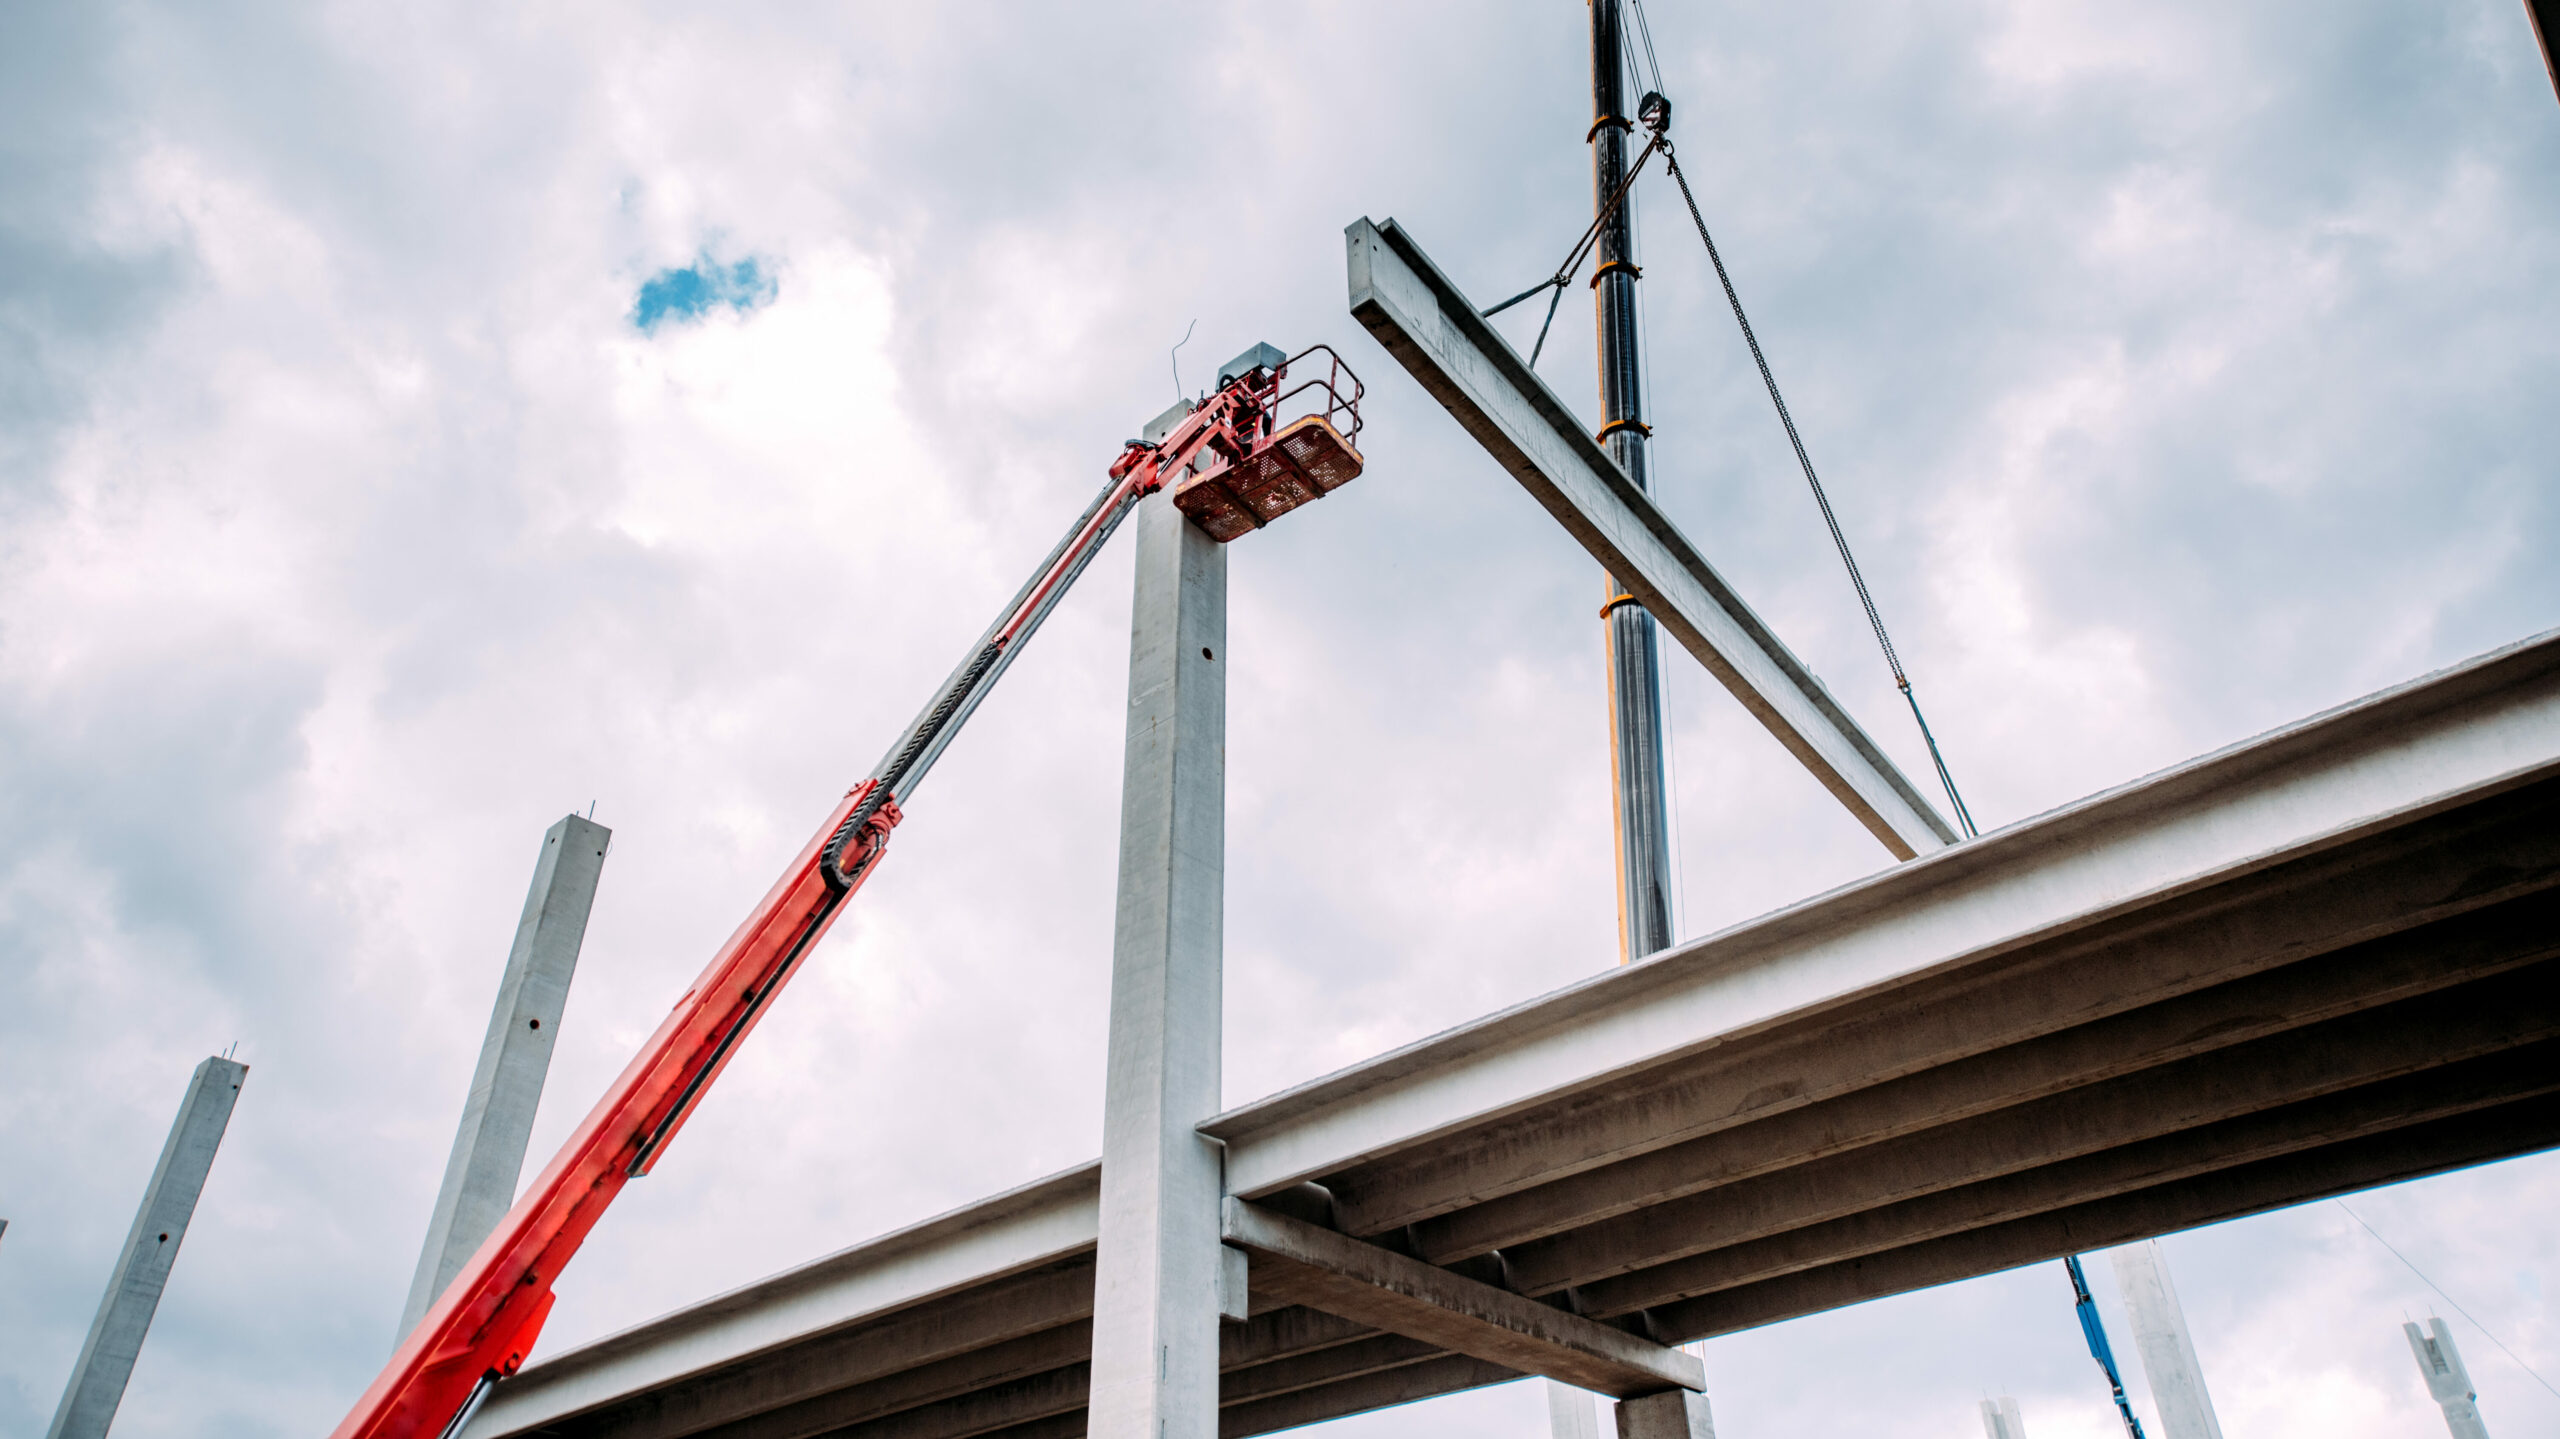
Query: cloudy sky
column 2179, row 368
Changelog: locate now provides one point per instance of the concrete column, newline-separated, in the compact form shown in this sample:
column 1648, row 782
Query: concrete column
column 1155, row 1320
column 2160, row 1334
column 1672, row 1414
column 133, row 1293
column 2448, row 1382
column 497, row 1117
column 2001, row 1420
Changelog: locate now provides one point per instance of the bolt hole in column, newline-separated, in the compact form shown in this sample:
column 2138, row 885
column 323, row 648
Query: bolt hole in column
column 533, row 1024
column 1204, row 653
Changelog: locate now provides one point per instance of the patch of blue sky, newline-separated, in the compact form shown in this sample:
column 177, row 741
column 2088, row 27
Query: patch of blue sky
column 689, row 292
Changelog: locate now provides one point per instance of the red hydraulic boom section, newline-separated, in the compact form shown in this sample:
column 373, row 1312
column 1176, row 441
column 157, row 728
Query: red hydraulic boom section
column 1234, row 468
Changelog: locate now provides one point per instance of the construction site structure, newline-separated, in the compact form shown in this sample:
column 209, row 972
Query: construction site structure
column 2448, row 1382
column 141, row 1275
column 2310, row 963
column 1223, row 468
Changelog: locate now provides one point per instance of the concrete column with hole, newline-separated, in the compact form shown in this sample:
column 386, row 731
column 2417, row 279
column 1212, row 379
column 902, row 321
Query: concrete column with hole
column 2160, row 1335
column 1159, row 1260
column 506, row 1088
column 106, row 1360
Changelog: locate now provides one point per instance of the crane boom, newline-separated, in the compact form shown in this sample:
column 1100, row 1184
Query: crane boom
column 1231, row 473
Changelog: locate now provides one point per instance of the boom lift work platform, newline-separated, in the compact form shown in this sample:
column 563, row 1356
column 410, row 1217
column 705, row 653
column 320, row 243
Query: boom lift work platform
column 1234, row 466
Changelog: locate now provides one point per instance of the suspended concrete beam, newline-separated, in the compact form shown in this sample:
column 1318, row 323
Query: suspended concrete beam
column 150, row 1250
column 1434, row 331
column 1316, row 1267
column 506, row 1087
column 1158, row 1265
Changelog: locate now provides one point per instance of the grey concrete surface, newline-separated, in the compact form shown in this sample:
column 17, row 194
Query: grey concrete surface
column 1675, row 1414
column 1155, row 1308
column 506, row 1086
column 106, row 1361
column 1339, row 1275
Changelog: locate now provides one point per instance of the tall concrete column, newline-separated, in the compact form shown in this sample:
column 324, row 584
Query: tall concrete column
column 2001, row 1419
column 506, row 1088
column 1671, row 1414
column 2448, row 1382
column 2160, row 1334
column 1155, row 1314
column 150, row 1250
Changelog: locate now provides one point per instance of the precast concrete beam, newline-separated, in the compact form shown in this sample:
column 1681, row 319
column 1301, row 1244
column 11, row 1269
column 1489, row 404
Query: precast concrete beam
column 1379, row 1389
column 917, row 1284
column 2422, row 1035
column 2462, row 737
column 1341, row 1275
column 1853, row 1080
column 1156, row 1302
column 2391, row 1106
column 105, row 1365
column 1434, row 331
column 987, row 1335
column 506, row 1086
column 2391, row 1157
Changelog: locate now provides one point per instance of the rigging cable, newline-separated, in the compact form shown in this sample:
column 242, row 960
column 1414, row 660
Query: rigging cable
column 1581, row 248
column 1875, row 620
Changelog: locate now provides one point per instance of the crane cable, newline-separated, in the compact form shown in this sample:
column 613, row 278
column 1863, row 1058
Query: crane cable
column 1875, row 620
column 1581, row 250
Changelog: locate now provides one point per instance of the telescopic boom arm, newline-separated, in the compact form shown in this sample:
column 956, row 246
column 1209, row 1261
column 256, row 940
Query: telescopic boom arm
column 1231, row 472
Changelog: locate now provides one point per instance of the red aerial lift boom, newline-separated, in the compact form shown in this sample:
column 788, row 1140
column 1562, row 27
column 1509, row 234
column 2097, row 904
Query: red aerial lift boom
column 1233, row 468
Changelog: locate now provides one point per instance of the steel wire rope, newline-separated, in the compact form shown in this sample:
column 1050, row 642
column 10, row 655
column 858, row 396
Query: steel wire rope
column 1574, row 258
column 1830, row 520
column 1644, row 33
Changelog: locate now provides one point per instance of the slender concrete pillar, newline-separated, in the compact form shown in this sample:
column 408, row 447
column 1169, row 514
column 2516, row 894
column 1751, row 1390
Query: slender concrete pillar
column 2448, row 1382
column 497, row 1116
column 150, row 1250
column 2160, row 1335
column 1671, row 1414
column 1155, row 1317
column 2001, row 1420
